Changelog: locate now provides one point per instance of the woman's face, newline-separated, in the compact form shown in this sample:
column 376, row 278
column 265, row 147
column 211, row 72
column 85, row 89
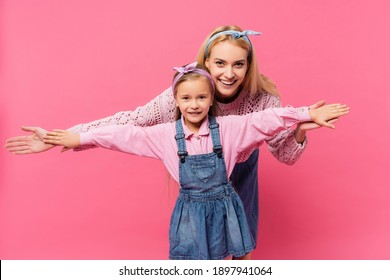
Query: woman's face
column 228, row 65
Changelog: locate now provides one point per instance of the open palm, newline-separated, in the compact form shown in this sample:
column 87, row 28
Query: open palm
column 28, row 144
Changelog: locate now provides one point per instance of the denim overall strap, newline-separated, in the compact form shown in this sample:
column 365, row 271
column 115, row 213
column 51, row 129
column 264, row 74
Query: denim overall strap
column 217, row 147
column 180, row 140
column 214, row 130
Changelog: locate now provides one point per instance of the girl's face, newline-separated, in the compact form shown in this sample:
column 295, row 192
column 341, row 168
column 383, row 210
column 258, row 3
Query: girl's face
column 193, row 97
column 228, row 65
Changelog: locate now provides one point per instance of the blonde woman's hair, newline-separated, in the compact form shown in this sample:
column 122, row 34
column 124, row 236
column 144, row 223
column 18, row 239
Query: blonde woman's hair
column 254, row 81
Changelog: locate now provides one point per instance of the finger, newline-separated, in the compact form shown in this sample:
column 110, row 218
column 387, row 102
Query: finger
column 53, row 142
column 15, row 143
column 329, row 125
column 18, row 149
column 16, row 139
column 64, row 149
column 24, row 152
column 60, row 130
column 326, row 124
column 56, row 132
column 333, row 120
column 29, row 128
column 50, row 133
column 344, row 110
column 318, row 104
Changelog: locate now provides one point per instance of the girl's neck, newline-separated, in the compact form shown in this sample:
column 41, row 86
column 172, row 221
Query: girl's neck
column 193, row 127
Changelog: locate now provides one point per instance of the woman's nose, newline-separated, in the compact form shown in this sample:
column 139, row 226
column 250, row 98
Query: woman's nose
column 229, row 73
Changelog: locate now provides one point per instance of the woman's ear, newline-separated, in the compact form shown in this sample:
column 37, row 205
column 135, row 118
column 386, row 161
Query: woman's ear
column 207, row 63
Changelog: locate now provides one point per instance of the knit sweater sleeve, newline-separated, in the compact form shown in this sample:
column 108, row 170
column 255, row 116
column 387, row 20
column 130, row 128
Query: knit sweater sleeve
column 283, row 146
column 159, row 110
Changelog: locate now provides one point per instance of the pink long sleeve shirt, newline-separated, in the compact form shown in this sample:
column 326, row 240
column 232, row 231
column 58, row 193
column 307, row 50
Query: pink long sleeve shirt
column 238, row 133
column 162, row 110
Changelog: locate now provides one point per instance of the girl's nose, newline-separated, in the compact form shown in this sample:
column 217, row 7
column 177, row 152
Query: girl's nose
column 194, row 104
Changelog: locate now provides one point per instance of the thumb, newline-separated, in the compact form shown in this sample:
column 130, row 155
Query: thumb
column 64, row 149
column 318, row 104
column 29, row 128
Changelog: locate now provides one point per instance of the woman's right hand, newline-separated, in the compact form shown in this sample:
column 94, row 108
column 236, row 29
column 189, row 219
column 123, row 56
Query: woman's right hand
column 28, row 144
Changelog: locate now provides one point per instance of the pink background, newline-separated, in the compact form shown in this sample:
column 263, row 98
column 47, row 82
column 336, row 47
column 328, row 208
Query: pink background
column 68, row 62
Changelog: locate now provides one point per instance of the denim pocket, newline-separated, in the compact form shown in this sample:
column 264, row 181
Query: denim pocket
column 203, row 167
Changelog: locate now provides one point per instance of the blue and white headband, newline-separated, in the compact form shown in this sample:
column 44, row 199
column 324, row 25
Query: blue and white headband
column 191, row 68
column 235, row 34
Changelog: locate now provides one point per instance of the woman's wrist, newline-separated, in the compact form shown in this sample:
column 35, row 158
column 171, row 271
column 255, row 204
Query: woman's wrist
column 300, row 135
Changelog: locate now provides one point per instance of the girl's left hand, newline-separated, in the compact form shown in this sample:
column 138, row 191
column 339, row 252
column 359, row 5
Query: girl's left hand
column 61, row 137
column 325, row 114
column 303, row 127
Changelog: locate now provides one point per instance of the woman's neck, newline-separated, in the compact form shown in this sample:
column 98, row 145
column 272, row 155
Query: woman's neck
column 229, row 99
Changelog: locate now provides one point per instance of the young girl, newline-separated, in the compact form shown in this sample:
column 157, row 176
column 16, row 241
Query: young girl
column 200, row 151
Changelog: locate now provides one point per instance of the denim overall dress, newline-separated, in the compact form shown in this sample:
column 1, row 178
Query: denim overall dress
column 208, row 221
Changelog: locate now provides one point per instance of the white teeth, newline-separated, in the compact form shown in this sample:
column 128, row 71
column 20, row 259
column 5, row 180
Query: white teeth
column 227, row 83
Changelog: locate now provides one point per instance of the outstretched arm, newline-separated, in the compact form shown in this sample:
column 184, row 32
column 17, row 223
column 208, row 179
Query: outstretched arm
column 159, row 110
column 251, row 130
column 136, row 140
column 288, row 145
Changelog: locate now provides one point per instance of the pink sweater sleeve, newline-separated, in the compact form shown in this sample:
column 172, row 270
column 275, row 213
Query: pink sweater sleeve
column 136, row 140
column 162, row 109
column 242, row 132
column 283, row 146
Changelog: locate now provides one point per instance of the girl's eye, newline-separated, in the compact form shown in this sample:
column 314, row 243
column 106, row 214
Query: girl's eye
column 219, row 63
column 239, row 65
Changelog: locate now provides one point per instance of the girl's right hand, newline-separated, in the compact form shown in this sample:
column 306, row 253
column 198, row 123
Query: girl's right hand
column 324, row 115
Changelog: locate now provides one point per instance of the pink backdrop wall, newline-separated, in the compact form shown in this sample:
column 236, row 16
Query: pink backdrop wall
column 68, row 62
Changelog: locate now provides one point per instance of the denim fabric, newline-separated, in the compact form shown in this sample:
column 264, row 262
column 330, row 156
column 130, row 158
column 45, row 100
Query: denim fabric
column 209, row 220
column 245, row 180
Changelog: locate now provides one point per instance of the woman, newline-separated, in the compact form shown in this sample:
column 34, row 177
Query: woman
column 240, row 89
